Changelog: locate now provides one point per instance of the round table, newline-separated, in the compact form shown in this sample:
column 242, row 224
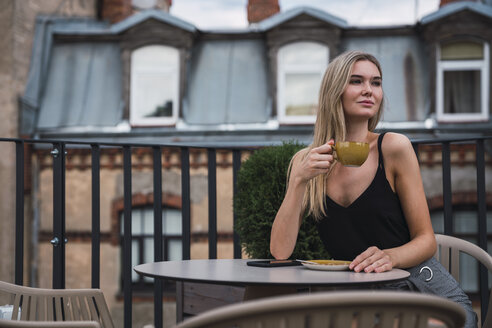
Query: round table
column 237, row 272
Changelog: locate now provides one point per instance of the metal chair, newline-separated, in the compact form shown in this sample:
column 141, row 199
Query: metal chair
column 382, row 309
column 39, row 304
column 48, row 324
column 448, row 253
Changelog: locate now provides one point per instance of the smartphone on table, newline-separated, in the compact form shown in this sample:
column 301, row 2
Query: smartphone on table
column 273, row 263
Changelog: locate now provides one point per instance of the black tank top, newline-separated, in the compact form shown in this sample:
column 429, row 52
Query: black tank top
column 375, row 218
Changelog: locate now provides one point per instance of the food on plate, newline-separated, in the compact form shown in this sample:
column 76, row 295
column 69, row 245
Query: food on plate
column 329, row 262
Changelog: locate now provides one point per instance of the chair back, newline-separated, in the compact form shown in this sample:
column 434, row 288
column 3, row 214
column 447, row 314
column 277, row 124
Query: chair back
column 382, row 309
column 448, row 253
column 48, row 324
column 39, row 304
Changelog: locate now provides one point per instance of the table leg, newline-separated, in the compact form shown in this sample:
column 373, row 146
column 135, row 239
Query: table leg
column 179, row 301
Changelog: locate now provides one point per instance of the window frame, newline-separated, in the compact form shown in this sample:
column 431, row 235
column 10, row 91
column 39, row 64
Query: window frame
column 283, row 70
column 136, row 72
column 142, row 284
column 459, row 65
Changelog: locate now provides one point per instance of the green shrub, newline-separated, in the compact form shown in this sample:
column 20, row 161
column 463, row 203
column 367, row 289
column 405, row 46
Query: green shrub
column 261, row 187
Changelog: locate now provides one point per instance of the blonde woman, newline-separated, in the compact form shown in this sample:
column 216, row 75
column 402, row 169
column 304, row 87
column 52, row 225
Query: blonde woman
column 374, row 215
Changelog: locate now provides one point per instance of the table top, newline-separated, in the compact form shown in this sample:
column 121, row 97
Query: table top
column 236, row 272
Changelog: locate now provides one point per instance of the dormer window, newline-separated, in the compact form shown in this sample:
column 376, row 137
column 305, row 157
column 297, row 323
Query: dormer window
column 154, row 86
column 301, row 66
column 463, row 82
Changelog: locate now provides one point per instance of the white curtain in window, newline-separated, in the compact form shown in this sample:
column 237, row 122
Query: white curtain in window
column 462, row 92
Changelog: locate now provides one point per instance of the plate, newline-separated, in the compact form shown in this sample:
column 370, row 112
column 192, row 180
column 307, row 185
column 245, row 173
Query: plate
column 327, row 265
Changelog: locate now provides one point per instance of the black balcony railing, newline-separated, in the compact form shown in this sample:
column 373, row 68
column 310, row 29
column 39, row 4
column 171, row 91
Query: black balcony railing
column 58, row 151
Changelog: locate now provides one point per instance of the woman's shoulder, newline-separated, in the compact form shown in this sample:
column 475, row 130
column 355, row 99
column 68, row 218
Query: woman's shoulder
column 397, row 146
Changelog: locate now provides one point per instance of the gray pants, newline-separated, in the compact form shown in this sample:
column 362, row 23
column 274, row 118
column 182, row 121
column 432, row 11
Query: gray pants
column 432, row 278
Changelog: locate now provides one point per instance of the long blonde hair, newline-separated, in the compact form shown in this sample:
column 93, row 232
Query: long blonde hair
column 330, row 121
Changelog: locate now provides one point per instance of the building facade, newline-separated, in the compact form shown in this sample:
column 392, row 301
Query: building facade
column 128, row 71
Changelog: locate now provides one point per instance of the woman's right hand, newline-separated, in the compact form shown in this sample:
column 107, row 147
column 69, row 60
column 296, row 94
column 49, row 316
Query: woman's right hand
column 289, row 217
column 317, row 161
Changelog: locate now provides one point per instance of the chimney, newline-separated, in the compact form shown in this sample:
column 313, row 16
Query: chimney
column 258, row 10
column 117, row 10
column 445, row 2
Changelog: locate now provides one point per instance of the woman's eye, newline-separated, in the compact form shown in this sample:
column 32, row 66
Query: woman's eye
column 376, row 83
column 355, row 81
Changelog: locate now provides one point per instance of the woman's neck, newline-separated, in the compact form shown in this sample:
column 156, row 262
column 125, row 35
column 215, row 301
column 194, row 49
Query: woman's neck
column 357, row 132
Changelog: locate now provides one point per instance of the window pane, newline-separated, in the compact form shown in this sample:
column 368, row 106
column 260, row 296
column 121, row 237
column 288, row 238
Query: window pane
column 465, row 222
column 136, row 222
column 462, row 51
column 301, row 66
column 148, row 221
column 154, row 57
column 154, row 83
column 304, row 52
column 437, row 219
column 154, row 95
column 172, row 221
column 135, row 259
column 462, row 92
column 148, row 250
column 148, row 254
column 301, row 92
column 175, row 250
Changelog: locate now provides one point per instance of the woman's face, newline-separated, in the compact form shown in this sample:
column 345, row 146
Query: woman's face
column 363, row 94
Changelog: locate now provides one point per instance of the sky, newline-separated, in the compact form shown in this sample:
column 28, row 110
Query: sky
column 213, row 14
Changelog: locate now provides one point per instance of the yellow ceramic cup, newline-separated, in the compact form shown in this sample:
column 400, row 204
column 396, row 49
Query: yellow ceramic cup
column 351, row 153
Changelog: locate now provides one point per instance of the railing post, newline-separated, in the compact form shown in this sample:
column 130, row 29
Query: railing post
column 212, row 204
column 19, row 212
column 185, row 203
column 416, row 150
column 58, row 240
column 96, row 216
column 185, row 224
column 482, row 225
column 127, row 236
column 446, row 189
column 236, row 165
column 157, row 233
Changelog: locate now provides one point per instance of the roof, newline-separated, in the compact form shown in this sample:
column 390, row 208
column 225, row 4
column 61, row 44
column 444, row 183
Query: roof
column 84, row 77
column 282, row 17
column 158, row 15
column 455, row 7
column 74, row 26
column 228, row 83
column 82, row 86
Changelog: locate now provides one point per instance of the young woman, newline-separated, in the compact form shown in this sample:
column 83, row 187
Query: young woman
column 374, row 215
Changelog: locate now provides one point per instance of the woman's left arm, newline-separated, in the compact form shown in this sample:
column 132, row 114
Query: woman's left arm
column 403, row 173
